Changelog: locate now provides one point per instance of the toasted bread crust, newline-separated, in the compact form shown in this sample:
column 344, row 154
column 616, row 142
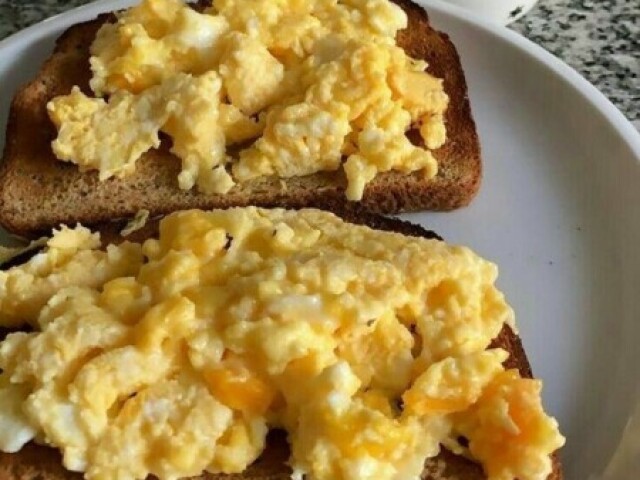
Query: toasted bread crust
column 37, row 191
column 35, row 462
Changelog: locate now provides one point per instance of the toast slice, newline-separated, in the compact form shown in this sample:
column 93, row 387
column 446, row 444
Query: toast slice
column 38, row 192
column 35, row 462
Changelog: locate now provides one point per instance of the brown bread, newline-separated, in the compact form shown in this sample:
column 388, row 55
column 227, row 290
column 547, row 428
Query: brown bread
column 38, row 192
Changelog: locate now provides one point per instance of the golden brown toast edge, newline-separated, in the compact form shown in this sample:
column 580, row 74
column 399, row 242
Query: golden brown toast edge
column 38, row 192
column 35, row 462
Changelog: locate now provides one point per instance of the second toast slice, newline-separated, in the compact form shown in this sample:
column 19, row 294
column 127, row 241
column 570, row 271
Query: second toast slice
column 39, row 462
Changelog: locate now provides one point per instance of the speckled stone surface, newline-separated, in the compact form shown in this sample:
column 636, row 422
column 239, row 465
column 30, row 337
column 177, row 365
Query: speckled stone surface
column 599, row 38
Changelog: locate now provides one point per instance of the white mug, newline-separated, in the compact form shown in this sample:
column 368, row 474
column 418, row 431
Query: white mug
column 502, row 11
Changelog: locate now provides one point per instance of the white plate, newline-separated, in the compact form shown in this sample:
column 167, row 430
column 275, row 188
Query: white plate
column 559, row 211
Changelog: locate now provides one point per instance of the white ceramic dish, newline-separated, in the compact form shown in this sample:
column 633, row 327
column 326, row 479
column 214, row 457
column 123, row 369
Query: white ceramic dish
column 559, row 211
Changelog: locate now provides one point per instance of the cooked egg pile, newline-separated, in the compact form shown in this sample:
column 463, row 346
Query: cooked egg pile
column 302, row 85
column 177, row 355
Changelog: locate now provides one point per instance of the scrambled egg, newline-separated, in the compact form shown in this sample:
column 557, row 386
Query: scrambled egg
column 176, row 356
column 136, row 223
column 303, row 85
column 72, row 258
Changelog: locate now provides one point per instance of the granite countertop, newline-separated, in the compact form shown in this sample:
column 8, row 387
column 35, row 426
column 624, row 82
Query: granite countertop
column 599, row 38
